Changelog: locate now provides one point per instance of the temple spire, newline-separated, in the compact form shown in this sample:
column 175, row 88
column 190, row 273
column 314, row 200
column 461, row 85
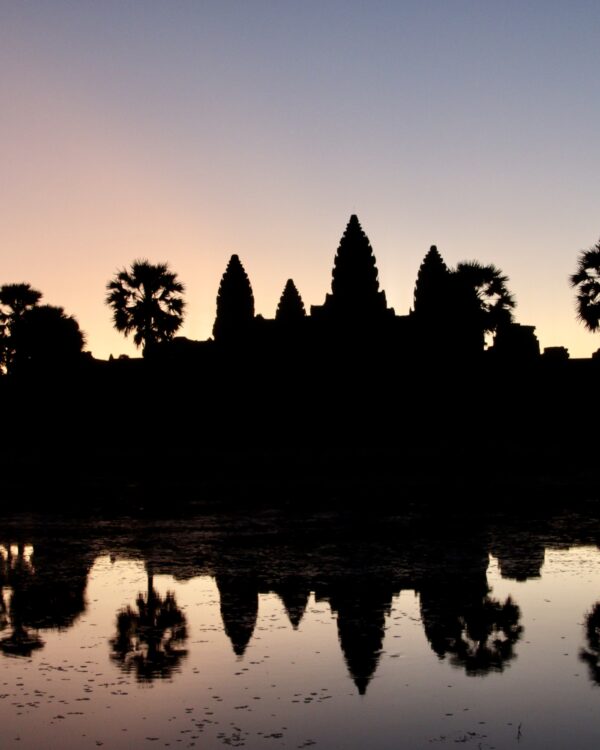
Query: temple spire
column 355, row 290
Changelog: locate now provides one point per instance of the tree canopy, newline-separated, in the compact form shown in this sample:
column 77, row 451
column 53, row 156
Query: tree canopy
column 487, row 286
column 15, row 300
column 147, row 300
column 45, row 336
column 586, row 280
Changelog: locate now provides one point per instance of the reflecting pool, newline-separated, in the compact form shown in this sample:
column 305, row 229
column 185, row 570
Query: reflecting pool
column 265, row 631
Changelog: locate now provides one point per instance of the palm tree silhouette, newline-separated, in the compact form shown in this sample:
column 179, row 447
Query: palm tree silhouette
column 487, row 286
column 586, row 280
column 147, row 301
column 149, row 637
column 15, row 300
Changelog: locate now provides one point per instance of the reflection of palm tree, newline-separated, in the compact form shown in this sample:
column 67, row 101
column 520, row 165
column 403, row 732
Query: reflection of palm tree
column 149, row 638
column 478, row 633
column 4, row 618
column 22, row 641
column 591, row 654
column 146, row 301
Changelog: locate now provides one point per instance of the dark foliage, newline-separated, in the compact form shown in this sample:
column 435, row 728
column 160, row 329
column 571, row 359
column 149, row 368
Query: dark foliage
column 150, row 637
column 586, row 280
column 15, row 300
column 487, row 297
column 477, row 633
column 45, row 337
column 146, row 301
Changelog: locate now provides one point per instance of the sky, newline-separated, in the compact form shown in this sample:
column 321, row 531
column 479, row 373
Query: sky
column 186, row 131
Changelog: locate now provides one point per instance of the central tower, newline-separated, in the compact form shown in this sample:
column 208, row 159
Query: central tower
column 355, row 295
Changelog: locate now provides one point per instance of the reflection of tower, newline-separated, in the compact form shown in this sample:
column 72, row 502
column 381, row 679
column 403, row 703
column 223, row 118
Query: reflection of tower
column 361, row 608
column 239, row 608
column 294, row 593
column 519, row 560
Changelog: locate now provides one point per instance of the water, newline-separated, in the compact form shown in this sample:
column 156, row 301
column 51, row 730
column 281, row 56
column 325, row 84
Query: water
column 262, row 632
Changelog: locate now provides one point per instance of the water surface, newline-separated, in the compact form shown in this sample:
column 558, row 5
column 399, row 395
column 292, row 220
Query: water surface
column 261, row 633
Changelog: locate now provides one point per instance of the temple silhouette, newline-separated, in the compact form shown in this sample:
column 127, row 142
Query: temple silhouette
column 343, row 394
column 355, row 314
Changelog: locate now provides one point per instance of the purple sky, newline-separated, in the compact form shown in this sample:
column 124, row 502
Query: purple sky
column 188, row 131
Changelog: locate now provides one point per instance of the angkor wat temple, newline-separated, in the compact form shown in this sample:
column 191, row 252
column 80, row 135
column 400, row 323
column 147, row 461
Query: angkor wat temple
column 350, row 395
column 448, row 317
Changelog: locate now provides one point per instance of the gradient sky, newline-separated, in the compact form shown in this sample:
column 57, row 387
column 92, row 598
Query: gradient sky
column 187, row 131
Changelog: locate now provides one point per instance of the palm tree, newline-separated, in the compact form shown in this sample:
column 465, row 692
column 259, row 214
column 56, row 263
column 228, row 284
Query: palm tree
column 492, row 299
column 146, row 301
column 15, row 301
column 586, row 280
column 16, row 298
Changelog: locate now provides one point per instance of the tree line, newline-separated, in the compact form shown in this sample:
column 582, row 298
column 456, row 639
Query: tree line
column 147, row 302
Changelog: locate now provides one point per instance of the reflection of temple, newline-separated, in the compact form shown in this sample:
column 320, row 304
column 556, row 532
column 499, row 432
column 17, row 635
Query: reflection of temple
column 239, row 604
column 357, row 569
column 460, row 620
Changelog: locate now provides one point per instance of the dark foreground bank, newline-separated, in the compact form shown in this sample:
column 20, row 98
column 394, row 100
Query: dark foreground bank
column 347, row 430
